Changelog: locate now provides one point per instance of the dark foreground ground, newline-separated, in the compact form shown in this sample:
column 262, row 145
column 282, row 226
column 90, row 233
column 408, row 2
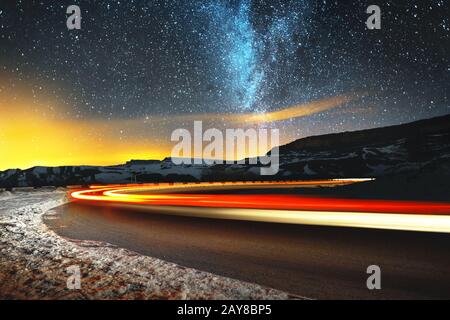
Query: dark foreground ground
column 316, row 262
column 34, row 263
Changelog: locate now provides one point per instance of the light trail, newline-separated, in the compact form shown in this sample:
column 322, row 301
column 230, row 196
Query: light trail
column 379, row 214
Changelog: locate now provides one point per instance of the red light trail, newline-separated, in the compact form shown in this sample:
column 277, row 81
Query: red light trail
column 403, row 215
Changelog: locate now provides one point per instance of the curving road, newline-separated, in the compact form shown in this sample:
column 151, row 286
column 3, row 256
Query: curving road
column 312, row 261
column 277, row 208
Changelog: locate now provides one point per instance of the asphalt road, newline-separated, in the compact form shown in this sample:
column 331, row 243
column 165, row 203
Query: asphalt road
column 311, row 261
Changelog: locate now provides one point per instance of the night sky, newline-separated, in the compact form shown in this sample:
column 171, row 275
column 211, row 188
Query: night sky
column 157, row 61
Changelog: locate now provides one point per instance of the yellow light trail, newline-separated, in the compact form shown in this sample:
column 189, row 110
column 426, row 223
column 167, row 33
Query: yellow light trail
column 377, row 214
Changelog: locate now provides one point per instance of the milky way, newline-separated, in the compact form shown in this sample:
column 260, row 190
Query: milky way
column 253, row 50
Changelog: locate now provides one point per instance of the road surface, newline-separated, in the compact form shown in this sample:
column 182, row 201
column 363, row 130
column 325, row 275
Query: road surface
column 313, row 261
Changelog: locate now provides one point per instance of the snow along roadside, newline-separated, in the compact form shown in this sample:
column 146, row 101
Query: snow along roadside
column 34, row 262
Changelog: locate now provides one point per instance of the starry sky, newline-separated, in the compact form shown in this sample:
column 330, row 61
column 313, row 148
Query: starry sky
column 138, row 69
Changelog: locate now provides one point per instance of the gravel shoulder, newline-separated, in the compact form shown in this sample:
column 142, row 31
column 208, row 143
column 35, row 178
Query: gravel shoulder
column 35, row 263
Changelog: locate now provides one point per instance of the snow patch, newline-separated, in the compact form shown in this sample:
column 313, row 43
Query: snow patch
column 307, row 170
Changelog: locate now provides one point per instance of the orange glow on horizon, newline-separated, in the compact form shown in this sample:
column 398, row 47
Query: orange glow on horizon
column 56, row 146
column 34, row 134
column 38, row 130
column 36, row 141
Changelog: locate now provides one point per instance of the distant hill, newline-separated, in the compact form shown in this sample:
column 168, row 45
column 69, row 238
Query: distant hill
column 413, row 130
column 420, row 145
column 417, row 148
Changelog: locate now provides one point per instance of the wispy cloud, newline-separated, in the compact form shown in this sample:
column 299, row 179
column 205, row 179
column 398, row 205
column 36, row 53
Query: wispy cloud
column 291, row 112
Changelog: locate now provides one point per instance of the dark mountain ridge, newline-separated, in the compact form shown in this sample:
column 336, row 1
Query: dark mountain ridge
column 412, row 130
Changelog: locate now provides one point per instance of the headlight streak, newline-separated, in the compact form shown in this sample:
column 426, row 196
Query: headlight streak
column 378, row 214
